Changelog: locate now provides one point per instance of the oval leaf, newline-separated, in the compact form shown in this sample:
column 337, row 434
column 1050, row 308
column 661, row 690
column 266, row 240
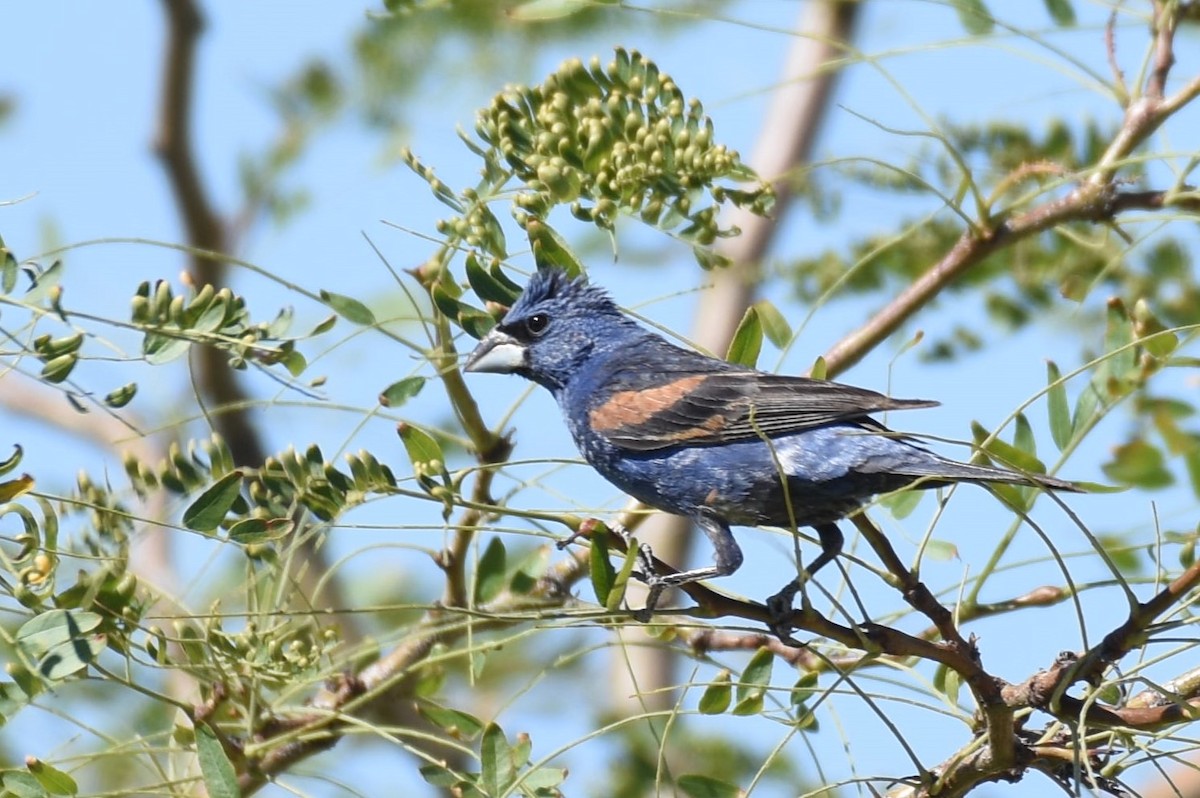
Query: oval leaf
column 602, row 570
column 220, row 778
column 209, row 510
column 774, row 325
column 697, row 786
column 260, row 530
column 489, row 574
column 550, row 250
column 349, row 308
column 53, row 780
column 400, row 392
column 717, row 696
column 747, row 340
column 1057, row 406
column 486, row 286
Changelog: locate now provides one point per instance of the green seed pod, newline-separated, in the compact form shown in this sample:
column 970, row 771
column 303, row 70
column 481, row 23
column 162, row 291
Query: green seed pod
column 58, row 369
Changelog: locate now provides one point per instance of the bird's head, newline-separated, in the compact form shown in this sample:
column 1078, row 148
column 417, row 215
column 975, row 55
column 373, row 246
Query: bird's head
column 552, row 329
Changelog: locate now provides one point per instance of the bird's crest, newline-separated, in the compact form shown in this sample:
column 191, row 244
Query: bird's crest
column 553, row 284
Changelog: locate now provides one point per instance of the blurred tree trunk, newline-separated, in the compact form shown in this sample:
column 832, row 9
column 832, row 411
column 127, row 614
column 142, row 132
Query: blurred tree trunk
column 641, row 674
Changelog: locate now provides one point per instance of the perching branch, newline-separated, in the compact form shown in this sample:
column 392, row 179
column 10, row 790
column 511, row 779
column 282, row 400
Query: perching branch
column 1099, row 199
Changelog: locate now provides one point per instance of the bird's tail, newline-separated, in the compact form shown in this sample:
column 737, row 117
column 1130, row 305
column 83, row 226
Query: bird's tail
column 946, row 471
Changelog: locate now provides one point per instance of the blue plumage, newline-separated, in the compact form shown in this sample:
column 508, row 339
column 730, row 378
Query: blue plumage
column 710, row 440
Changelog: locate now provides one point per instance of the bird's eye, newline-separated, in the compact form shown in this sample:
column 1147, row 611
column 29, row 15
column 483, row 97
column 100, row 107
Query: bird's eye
column 536, row 324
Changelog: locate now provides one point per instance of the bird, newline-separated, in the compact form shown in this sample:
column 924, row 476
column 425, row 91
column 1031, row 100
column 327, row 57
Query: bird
column 719, row 443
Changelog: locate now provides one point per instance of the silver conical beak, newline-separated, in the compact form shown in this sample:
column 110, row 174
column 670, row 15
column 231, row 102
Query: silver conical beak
column 497, row 353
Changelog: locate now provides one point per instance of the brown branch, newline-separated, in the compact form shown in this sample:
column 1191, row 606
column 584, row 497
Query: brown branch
column 1163, row 28
column 1110, row 48
column 173, row 141
column 204, row 226
column 1153, row 711
column 1097, row 201
column 1087, row 203
column 1132, row 633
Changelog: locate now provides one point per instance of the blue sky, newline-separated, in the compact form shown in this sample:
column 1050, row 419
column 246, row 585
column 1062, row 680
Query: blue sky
column 76, row 166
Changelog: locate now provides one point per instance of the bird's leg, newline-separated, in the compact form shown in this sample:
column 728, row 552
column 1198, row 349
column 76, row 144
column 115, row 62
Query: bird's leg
column 727, row 558
column 779, row 606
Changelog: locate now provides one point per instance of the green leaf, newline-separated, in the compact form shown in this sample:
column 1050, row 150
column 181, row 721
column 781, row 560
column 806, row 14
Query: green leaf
column 59, row 368
column 617, row 594
column 489, row 574
column 13, row 461
column 445, row 301
column 43, row 282
column 212, row 319
column 492, row 237
column 974, row 16
column 717, row 696
column 486, row 286
column 747, row 340
column 122, row 396
column 1140, row 464
column 804, row 687
column 260, row 530
column 544, row 10
column 695, row 785
column 323, row 326
column 53, row 780
column 159, row 349
column 710, row 259
column 294, row 362
column 602, row 570
column 1125, row 557
column 61, row 641
column 941, row 550
column 543, row 780
column 349, row 308
column 458, row 725
column 1061, row 12
column 774, row 325
column 12, row 488
column 209, row 510
column 220, row 779
column 496, row 759
column 1023, row 435
column 475, row 322
column 1057, row 406
column 1118, row 335
column 550, row 250
column 753, row 685
column 529, row 569
column 901, row 503
column 1004, row 452
column 400, row 392
column 420, row 445
column 8, row 269
column 21, row 784
column 820, row 369
column 438, row 775
column 1088, row 408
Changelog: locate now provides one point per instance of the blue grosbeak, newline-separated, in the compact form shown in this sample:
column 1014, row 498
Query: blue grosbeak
column 707, row 439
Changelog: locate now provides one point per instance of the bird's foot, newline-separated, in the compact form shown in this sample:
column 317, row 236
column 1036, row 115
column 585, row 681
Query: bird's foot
column 655, row 584
column 779, row 611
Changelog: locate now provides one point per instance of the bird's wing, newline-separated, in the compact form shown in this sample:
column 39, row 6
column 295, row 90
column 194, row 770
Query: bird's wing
column 656, row 403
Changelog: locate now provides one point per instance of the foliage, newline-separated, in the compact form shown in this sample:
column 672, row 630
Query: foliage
column 239, row 683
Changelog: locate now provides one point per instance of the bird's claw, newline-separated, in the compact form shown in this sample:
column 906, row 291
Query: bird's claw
column 655, row 584
column 779, row 611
